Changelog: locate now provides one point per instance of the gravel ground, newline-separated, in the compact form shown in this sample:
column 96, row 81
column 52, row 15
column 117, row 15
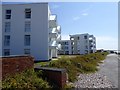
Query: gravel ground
column 106, row 77
column 95, row 80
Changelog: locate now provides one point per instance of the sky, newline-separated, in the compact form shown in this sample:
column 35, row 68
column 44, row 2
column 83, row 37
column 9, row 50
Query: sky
column 97, row 18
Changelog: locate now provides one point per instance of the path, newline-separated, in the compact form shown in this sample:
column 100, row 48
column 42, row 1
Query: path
column 106, row 77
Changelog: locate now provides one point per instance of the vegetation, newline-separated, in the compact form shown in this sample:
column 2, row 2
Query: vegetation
column 78, row 64
column 28, row 79
column 74, row 65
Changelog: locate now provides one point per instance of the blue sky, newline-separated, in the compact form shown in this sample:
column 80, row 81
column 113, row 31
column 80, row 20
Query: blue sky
column 97, row 18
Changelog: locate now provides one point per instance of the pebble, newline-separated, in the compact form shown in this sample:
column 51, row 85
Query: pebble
column 94, row 80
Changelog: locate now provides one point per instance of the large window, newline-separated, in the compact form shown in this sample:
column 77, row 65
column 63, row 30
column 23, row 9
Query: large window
column 8, row 14
column 28, row 13
column 27, row 40
column 6, row 52
column 7, row 26
column 7, row 40
column 27, row 51
column 27, row 26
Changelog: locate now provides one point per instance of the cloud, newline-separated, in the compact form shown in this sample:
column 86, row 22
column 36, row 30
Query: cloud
column 84, row 14
column 65, row 37
column 106, row 42
column 76, row 18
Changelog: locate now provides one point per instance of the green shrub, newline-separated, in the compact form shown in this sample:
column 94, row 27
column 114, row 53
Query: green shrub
column 26, row 79
column 79, row 64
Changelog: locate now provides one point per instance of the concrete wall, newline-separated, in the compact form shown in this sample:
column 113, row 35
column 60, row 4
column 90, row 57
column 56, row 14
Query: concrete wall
column 39, row 29
column 54, row 75
column 15, row 64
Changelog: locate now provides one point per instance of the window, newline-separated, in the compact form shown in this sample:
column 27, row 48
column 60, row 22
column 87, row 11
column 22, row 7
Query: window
column 7, row 26
column 28, row 13
column 27, row 26
column 86, row 47
column 27, row 51
column 66, row 52
column 85, row 37
column 7, row 40
column 66, row 43
column 8, row 14
column 6, row 52
column 65, row 47
column 27, row 40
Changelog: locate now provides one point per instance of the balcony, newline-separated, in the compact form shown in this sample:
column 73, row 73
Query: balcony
column 53, row 44
column 59, row 29
column 53, row 33
column 59, row 37
column 59, row 47
column 53, row 21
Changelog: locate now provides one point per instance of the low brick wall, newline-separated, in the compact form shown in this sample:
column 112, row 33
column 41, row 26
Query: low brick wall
column 54, row 75
column 15, row 64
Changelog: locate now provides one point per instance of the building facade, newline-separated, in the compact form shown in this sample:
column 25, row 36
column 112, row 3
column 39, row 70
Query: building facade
column 79, row 44
column 30, row 29
column 83, row 43
column 65, row 47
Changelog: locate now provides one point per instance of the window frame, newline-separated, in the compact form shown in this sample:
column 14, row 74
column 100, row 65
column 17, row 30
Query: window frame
column 28, row 13
column 8, row 15
column 7, row 26
column 7, row 40
column 6, row 53
column 27, row 41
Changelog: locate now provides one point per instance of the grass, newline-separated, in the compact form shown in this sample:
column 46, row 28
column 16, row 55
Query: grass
column 77, row 64
column 28, row 79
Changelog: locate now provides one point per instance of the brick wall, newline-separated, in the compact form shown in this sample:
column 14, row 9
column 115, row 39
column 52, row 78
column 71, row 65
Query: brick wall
column 14, row 64
column 54, row 75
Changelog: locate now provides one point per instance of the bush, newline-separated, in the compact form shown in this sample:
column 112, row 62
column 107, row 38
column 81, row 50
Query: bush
column 79, row 64
column 27, row 79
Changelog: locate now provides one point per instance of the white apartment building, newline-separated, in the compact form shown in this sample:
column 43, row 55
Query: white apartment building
column 65, row 47
column 78, row 44
column 83, row 43
column 30, row 29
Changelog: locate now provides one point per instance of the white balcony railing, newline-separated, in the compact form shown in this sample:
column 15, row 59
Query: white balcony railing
column 53, row 33
column 59, row 37
column 53, row 43
column 59, row 29
column 53, row 30
column 53, row 21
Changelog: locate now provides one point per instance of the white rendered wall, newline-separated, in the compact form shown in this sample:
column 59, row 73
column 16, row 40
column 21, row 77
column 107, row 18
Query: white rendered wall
column 39, row 29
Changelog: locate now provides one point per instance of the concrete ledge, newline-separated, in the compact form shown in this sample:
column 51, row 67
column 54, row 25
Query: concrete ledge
column 55, row 75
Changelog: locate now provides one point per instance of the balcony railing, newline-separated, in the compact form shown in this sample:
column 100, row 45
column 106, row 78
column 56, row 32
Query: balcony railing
column 53, row 21
column 53, row 33
column 59, row 29
column 53, row 43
